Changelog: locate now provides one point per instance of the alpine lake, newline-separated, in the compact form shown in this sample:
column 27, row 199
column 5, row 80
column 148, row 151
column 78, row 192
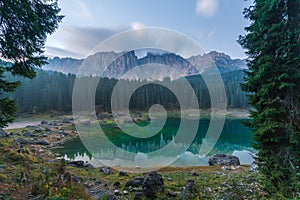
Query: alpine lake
column 113, row 147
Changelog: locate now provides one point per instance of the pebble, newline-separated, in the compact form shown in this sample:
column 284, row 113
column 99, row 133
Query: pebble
column 117, row 192
column 125, row 192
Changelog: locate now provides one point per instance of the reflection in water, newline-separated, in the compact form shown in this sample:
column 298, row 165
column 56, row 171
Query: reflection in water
column 235, row 139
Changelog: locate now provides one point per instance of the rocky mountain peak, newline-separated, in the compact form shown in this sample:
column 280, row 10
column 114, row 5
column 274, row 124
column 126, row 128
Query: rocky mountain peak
column 125, row 61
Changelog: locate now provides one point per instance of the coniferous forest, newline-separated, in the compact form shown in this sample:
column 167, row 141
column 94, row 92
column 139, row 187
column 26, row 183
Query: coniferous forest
column 52, row 91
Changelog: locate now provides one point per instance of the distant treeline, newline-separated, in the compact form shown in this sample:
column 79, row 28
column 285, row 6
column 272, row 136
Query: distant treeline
column 52, row 91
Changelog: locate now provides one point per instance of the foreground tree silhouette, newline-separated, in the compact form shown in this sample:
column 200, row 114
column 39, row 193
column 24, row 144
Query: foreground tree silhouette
column 24, row 25
column 273, row 44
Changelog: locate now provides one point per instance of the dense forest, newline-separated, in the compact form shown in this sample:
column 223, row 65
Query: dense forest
column 52, row 91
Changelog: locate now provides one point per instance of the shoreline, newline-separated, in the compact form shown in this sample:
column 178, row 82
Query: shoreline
column 79, row 180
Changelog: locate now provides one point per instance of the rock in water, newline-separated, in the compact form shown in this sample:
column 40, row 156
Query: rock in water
column 223, row 160
column 153, row 184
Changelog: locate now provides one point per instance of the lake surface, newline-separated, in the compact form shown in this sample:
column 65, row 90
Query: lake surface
column 235, row 139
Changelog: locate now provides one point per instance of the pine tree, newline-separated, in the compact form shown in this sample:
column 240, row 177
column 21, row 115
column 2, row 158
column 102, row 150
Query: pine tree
column 24, row 25
column 273, row 44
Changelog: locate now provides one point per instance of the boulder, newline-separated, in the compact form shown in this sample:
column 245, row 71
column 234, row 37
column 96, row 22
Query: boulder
column 47, row 129
column 21, row 141
column 28, row 134
column 37, row 130
column 42, row 142
column 138, row 196
column 63, row 133
column 190, row 185
column 117, row 192
column 125, row 192
column 223, row 160
column 117, row 184
column 77, row 163
column 66, row 121
column 253, row 168
column 135, row 182
column 102, row 194
column 152, row 184
column 122, row 173
column 44, row 122
column 105, row 170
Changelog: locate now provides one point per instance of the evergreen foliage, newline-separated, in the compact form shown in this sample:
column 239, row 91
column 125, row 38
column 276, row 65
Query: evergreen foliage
column 273, row 79
column 24, row 25
column 52, row 91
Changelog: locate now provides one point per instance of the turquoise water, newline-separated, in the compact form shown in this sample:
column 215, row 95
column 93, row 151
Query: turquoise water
column 235, row 139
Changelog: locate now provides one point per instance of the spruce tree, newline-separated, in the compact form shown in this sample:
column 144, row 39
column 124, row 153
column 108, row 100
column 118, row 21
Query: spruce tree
column 24, row 25
column 273, row 44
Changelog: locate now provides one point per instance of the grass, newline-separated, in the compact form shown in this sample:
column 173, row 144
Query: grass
column 44, row 178
column 210, row 182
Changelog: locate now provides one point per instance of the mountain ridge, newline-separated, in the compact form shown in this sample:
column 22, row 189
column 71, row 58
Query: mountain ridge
column 124, row 62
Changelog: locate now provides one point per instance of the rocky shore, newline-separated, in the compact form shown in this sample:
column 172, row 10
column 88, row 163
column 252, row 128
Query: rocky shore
column 29, row 170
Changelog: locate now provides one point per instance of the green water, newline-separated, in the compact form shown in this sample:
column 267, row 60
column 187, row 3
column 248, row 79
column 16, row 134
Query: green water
column 235, row 137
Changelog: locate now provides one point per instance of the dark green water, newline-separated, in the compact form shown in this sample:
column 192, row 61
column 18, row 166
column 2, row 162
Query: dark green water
column 235, row 139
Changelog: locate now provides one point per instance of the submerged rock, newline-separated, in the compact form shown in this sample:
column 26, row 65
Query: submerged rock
column 223, row 160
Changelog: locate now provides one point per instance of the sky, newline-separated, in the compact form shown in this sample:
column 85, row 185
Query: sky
column 214, row 24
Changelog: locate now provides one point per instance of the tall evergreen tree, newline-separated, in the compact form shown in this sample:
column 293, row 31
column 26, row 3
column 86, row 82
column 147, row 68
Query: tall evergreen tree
column 273, row 44
column 24, row 25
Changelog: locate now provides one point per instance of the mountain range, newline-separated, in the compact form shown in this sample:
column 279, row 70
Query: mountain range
column 123, row 63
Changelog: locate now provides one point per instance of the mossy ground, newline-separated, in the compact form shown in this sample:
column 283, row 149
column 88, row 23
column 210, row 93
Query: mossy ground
column 46, row 176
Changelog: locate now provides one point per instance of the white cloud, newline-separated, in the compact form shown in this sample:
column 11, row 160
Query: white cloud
column 78, row 42
column 137, row 25
column 207, row 7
